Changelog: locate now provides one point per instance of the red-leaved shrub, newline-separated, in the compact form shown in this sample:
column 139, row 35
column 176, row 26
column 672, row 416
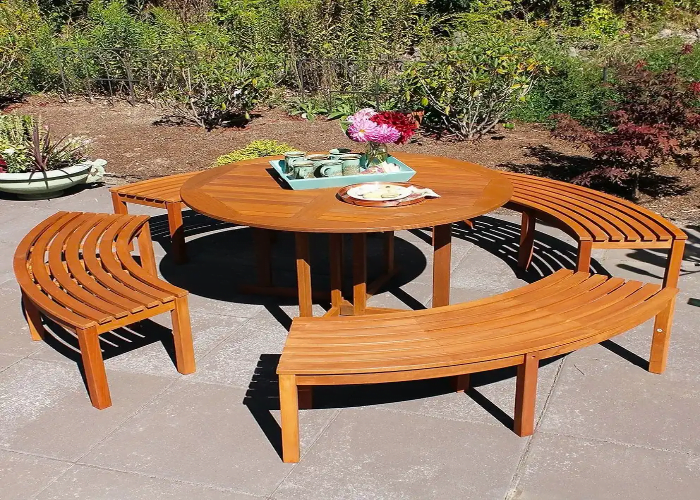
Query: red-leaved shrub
column 656, row 122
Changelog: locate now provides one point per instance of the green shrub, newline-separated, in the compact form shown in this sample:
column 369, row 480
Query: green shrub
column 254, row 149
column 467, row 89
column 22, row 30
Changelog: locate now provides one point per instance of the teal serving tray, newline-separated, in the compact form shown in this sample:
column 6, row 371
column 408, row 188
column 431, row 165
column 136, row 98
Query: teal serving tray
column 403, row 175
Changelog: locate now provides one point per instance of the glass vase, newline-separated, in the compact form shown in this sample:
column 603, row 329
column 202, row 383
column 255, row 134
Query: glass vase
column 376, row 154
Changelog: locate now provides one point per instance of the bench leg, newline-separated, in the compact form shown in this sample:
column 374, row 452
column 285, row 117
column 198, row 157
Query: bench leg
column 673, row 268
column 36, row 327
column 527, row 240
column 583, row 263
column 661, row 339
column 460, row 383
column 525, row 395
column 177, row 231
column 119, row 204
column 306, row 397
column 182, row 336
column 148, row 258
column 94, row 367
column 289, row 411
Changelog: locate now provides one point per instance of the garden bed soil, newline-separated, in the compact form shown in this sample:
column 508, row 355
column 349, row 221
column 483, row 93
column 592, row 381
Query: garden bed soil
column 136, row 148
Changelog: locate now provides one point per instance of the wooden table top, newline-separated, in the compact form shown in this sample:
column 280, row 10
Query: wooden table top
column 246, row 193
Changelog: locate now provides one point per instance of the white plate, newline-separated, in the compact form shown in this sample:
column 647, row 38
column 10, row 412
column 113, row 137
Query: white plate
column 372, row 192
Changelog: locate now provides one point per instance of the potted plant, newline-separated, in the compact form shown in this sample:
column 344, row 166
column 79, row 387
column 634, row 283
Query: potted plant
column 33, row 165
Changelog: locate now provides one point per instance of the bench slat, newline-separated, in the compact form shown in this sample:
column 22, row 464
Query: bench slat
column 642, row 219
column 436, row 342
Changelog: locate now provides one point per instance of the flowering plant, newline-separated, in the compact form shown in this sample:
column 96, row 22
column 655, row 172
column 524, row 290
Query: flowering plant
column 26, row 146
column 368, row 125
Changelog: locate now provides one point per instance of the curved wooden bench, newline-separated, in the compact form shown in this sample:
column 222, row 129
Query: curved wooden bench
column 594, row 219
column 76, row 269
column 556, row 315
column 162, row 192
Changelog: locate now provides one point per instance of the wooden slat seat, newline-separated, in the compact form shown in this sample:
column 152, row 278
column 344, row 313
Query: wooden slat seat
column 594, row 219
column 77, row 269
column 558, row 314
column 162, row 192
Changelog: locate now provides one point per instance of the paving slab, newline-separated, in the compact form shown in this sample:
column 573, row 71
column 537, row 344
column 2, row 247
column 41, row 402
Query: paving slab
column 45, row 409
column 235, row 361
column 634, row 346
column 372, row 454
column 6, row 361
column 491, row 400
column 205, row 434
column 146, row 348
column 23, row 476
column 100, row 484
column 14, row 332
column 617, row 401
column 566, row 468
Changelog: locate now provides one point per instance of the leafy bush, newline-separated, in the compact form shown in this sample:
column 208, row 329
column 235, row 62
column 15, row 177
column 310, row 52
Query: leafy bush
column 254, row 149
column 22, row 31
column 657, row 121
column 467, row 89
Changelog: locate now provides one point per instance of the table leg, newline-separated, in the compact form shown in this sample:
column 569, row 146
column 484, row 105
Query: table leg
column 263, row 247
column 336, row 258
column 359, row 272
column 304, row 274
column 389, row 252
column 442, row 248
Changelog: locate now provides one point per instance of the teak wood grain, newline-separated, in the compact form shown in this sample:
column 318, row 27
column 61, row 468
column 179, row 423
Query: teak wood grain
column 162, row 192
column 247, row 193
column 77, row 269
column 558, row 314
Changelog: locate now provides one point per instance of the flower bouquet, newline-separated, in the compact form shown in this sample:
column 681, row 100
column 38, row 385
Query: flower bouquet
column 377, row 129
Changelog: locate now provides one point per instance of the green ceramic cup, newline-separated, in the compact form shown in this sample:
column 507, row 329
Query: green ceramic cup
column 351, row 163
column 338, row 152
column 331, row 168
column 290, row 157
column 304, row 169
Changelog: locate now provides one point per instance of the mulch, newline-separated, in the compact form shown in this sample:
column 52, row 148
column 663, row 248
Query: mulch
column 137, row 147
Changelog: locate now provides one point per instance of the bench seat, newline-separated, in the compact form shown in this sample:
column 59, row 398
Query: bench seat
column 594, row 219
column 77, row 269
column 161, row 192
column 556, row 315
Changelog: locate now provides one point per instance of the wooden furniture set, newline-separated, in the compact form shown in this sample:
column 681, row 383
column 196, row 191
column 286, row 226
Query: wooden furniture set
column 245, row 193
column 77, row 269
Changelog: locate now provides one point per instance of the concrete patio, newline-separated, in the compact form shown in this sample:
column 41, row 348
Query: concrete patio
column 606, row 428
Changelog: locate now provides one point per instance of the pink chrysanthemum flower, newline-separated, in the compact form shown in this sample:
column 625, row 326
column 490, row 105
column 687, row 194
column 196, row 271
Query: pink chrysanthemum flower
column 384, row 134
column 363, row 114
column 360, row 128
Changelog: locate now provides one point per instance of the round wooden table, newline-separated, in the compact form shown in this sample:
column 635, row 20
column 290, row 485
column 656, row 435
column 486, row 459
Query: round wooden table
column 247, row 193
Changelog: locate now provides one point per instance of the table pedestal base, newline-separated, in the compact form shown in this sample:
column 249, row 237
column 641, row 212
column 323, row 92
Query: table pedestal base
column 362, row 291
